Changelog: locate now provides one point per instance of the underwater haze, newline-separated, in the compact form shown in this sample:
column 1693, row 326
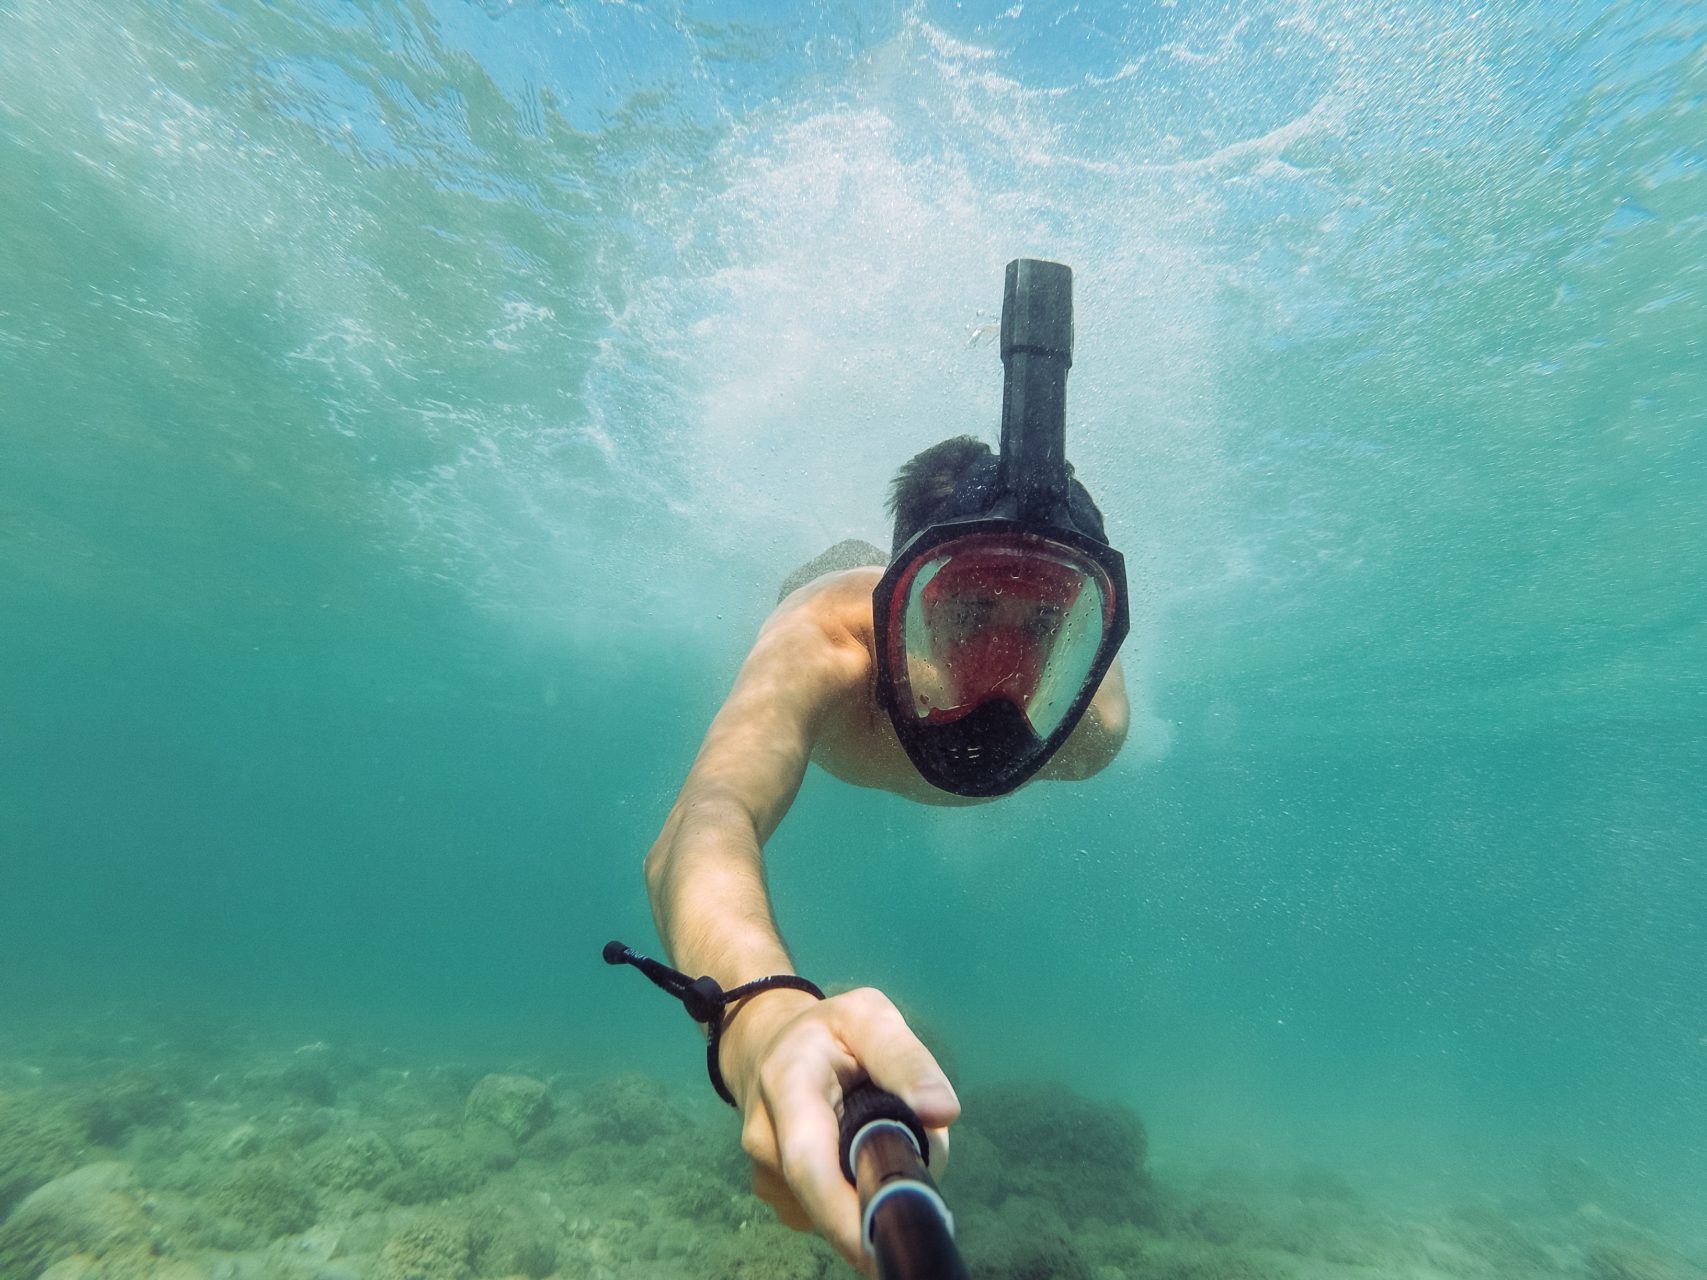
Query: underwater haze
column 408, row 412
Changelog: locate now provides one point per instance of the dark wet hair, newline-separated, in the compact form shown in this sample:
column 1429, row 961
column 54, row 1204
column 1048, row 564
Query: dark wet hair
column 924, row 487
column 926, row 482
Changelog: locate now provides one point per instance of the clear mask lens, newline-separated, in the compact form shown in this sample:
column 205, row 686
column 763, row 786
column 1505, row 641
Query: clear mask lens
column 1006, row 617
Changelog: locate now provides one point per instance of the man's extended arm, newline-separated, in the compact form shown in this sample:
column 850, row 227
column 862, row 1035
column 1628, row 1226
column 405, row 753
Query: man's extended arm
column 785, row 1057
column 705, row 872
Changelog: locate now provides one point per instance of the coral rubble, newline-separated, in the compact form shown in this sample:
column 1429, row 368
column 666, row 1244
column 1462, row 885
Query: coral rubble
column 267, row 1163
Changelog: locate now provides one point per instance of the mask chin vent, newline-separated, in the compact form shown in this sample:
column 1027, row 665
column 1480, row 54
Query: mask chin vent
column 987, row 752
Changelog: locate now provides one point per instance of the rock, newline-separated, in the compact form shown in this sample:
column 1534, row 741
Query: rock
column 553, row 1143
column 1635, row 1259
column 1191, row 1260
column 628, row 1110
column 94, row 1210
column 1313, row 1182
column 437, row 1165
column 130, row 1100
column 1487, row 1231
column 241, row 1140
column 493, row 1148
column 518, row 1105
column 352, row 1162
column 447, row 1081
column 1084, row 1158
column 1025, row 1241
column 302, row 1077
column 769, row 1251
column 694, row 1193
column 431, row 1249
column 128, row 1267
column 1573, row 1186
column 299, row 1126
column 269, row 1196
column 973, row 1175
column 38, row 1143
column 19, row 1075
column 1222, row 1220
column 512, row 1237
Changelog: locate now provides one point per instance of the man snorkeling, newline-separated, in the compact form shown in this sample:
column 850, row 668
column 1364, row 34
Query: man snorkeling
column 981, row 657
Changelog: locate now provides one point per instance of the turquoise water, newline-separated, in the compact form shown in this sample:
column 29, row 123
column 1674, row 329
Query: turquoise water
column 408, row 411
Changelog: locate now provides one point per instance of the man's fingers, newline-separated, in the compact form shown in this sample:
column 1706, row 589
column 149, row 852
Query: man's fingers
column 878, row 1036
column 758, row 1138
column 792, row 1133
column 808, row 1145
column 769, row 1186
column 938, row 1160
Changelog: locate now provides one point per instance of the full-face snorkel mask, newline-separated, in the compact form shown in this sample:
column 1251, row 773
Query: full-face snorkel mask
column 996, row 623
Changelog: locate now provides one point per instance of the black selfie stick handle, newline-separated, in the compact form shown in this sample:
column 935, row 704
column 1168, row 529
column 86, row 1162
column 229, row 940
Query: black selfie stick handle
column 904, row 1223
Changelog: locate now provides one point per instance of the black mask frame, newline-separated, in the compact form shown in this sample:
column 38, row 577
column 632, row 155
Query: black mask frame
column 1028, row 491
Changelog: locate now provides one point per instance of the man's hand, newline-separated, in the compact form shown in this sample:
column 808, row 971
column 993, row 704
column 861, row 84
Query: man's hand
column 788, row 1058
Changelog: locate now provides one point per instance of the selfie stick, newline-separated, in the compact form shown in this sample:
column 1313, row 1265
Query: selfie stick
column 904, row 1223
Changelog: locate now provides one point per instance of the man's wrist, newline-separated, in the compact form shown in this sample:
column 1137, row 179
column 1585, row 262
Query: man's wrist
column 749, row 1026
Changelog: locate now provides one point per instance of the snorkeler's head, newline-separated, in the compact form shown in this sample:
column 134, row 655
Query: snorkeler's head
column 931, row 485
column 1003, row 604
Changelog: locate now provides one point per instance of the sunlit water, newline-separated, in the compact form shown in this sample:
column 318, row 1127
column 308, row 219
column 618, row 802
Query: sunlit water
column 407, row 413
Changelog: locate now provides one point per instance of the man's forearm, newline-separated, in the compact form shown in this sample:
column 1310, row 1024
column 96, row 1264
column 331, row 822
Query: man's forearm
column 705, row 876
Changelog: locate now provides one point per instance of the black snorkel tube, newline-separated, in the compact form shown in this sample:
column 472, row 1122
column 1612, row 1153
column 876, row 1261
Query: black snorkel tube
column 1037, row 352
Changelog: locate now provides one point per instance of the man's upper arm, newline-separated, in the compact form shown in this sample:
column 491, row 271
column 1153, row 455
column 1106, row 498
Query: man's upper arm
column 757, row 748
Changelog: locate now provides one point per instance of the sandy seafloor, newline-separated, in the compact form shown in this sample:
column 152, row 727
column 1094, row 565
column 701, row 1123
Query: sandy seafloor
column 216, row 1155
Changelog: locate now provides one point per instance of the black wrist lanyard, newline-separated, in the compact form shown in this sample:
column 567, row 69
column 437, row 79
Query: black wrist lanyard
column 706, row 1002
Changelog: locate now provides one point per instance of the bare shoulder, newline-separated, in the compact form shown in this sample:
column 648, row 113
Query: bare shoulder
column 1097, row 738
column 822, row 631
column 836, row 597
